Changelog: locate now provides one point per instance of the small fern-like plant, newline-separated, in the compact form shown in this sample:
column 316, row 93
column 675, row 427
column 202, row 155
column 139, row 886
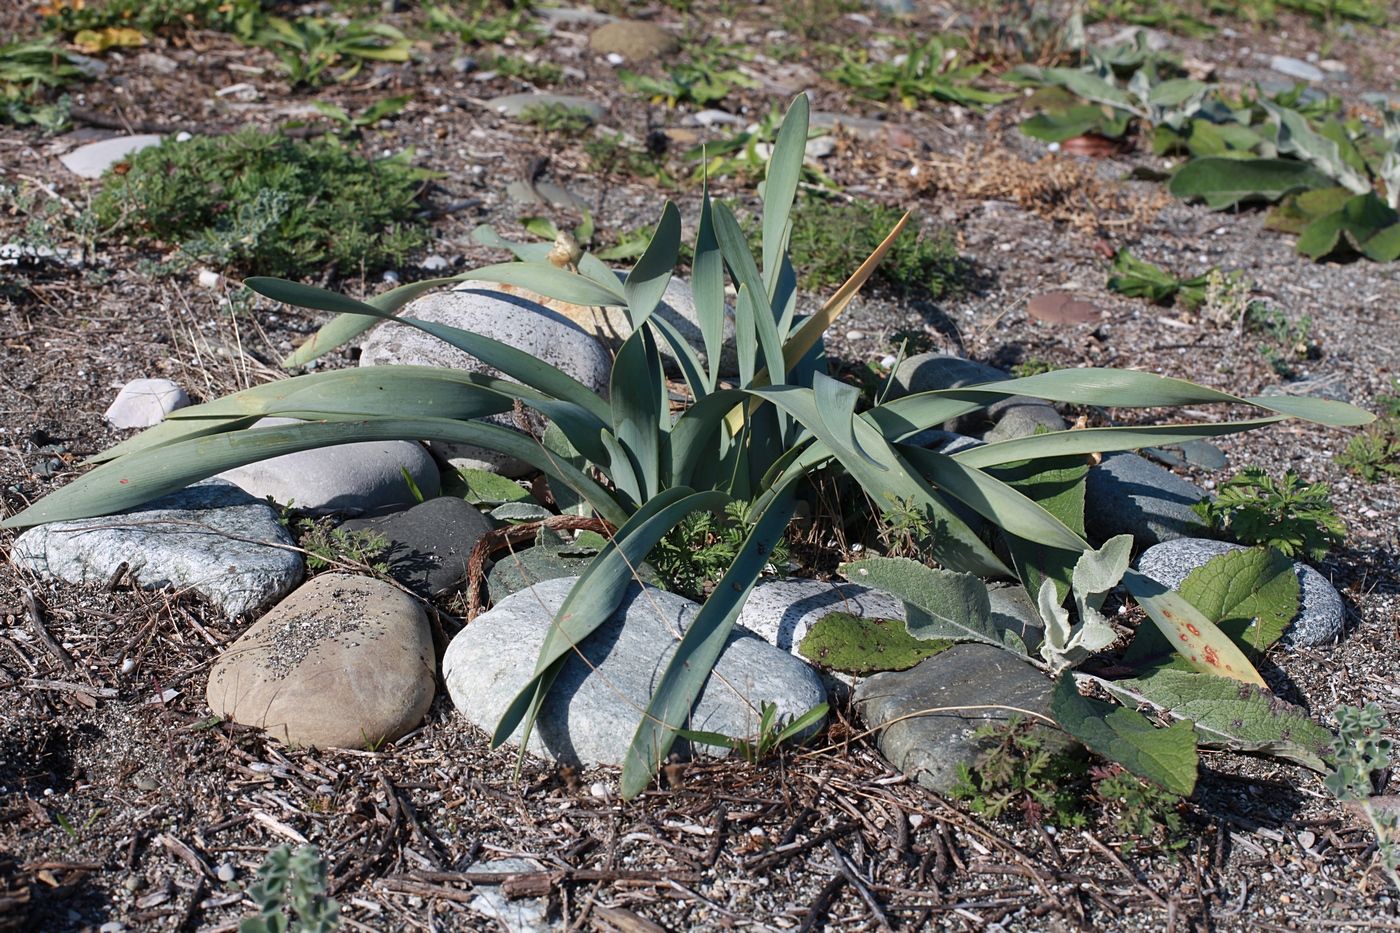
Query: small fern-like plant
column 296, row 880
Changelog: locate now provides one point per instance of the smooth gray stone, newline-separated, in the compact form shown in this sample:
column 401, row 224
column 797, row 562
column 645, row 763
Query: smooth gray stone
column 634, row 40
column 1127, row 494
column 205, row 538
column 496, row 313
column 144, row 402
column 515, row 105
column 344, row 662
column 1331, row 387
column 1296, row 68
column 571, row 16
column 429, row 544
column 1025, row 420
column 930, row 747
column 92, row 160
column 1321, row 613
column 347, row 479
column 591, row 714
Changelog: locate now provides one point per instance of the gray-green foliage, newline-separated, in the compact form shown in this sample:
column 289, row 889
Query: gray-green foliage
column 292, row 881
column 31, row 70
column 260, row 200
column 1069, row 643
column 1361, row 752
column 644, row 468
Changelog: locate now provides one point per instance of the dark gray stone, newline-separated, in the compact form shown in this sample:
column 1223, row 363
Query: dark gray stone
column 1321, row 613
column 1126, row 494
column 930, row 747
column 213, row 538
column 1025, row 420
column 591, row 714
column 429, row 543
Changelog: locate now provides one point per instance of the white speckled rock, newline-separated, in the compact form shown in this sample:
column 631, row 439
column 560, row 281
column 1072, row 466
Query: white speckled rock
column 205, row 538
column 92, row 160
column 344, row 662
column 513, row 914
column 144, row 402
column 1321, row 613
column 501, row 315
column 350, row 479
column 591, row 714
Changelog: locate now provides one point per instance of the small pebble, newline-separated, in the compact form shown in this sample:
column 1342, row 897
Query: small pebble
column 132, row 882
column 112, row 926
column 390, row 277
column 599, row 789
column 1307, row 838
column 128, row 665
column 226, row 872
column 325, row 789
column 855, row 335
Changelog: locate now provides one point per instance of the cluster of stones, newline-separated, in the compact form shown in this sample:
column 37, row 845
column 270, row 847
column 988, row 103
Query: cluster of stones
column 349, row 661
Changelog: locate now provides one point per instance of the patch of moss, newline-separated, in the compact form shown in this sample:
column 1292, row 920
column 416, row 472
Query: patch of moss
column 856, row 645
column 266, row 203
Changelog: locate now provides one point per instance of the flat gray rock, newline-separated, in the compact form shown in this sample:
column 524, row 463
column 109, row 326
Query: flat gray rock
column 500, row 314
column 1127, row 494
column 1321, row 613
column 1296, row 68
column 930, row 747
column 348, row 479
column 92, row 160
column 515, row 915
column 928, row 372
column 591, row 715
column 205, row 538
column 782, row 611
column 144, row 402
column 344, row 662
column 633, row 40
column 429, row 544
column 515, row 105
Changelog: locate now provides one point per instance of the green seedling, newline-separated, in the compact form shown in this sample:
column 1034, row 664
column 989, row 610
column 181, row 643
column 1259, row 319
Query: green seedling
column 310, row 47
column 1296, row 519
column 774, row 732
column 558, row 118
column 327, row 545
column 1018, row 773
column 542, row 73
column 292, row 884
column 1138, row 278
column 927, row 70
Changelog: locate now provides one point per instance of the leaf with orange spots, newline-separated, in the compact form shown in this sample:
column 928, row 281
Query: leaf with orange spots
column 1204, row 646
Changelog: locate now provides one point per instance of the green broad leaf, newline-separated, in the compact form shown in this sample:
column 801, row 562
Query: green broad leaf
column 344, row 328
column 1174, row 92
column 1252, row 595
column 1295, row 212
column 1364, row 223
column 139, row 477
column 1297, row 137
column 707, row 285
column 520, row 512
column 780, row 186
column 542, row 278
column 1067, row 124
column 1197, row 639
column 1230, row 715
column 939, row 604
column 596, row 596
column 1003, row 505
column 1166, row 757
column 647, row 282
column 1225, row 182
column 1091, row 87
column 836, row 407
column 856, row 645
column 480, row 487
column 955, row 545
column 1055, row 444
column 1138, row 278
column 1056, row 485
column 700, row 648
column 486, row 235
column 735, row 249
column 641, row 410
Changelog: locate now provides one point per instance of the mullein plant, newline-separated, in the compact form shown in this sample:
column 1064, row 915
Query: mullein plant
column 754, row 440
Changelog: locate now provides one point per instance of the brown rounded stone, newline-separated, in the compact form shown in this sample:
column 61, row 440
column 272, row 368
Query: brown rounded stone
column 633, row 40
column 344, row 662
